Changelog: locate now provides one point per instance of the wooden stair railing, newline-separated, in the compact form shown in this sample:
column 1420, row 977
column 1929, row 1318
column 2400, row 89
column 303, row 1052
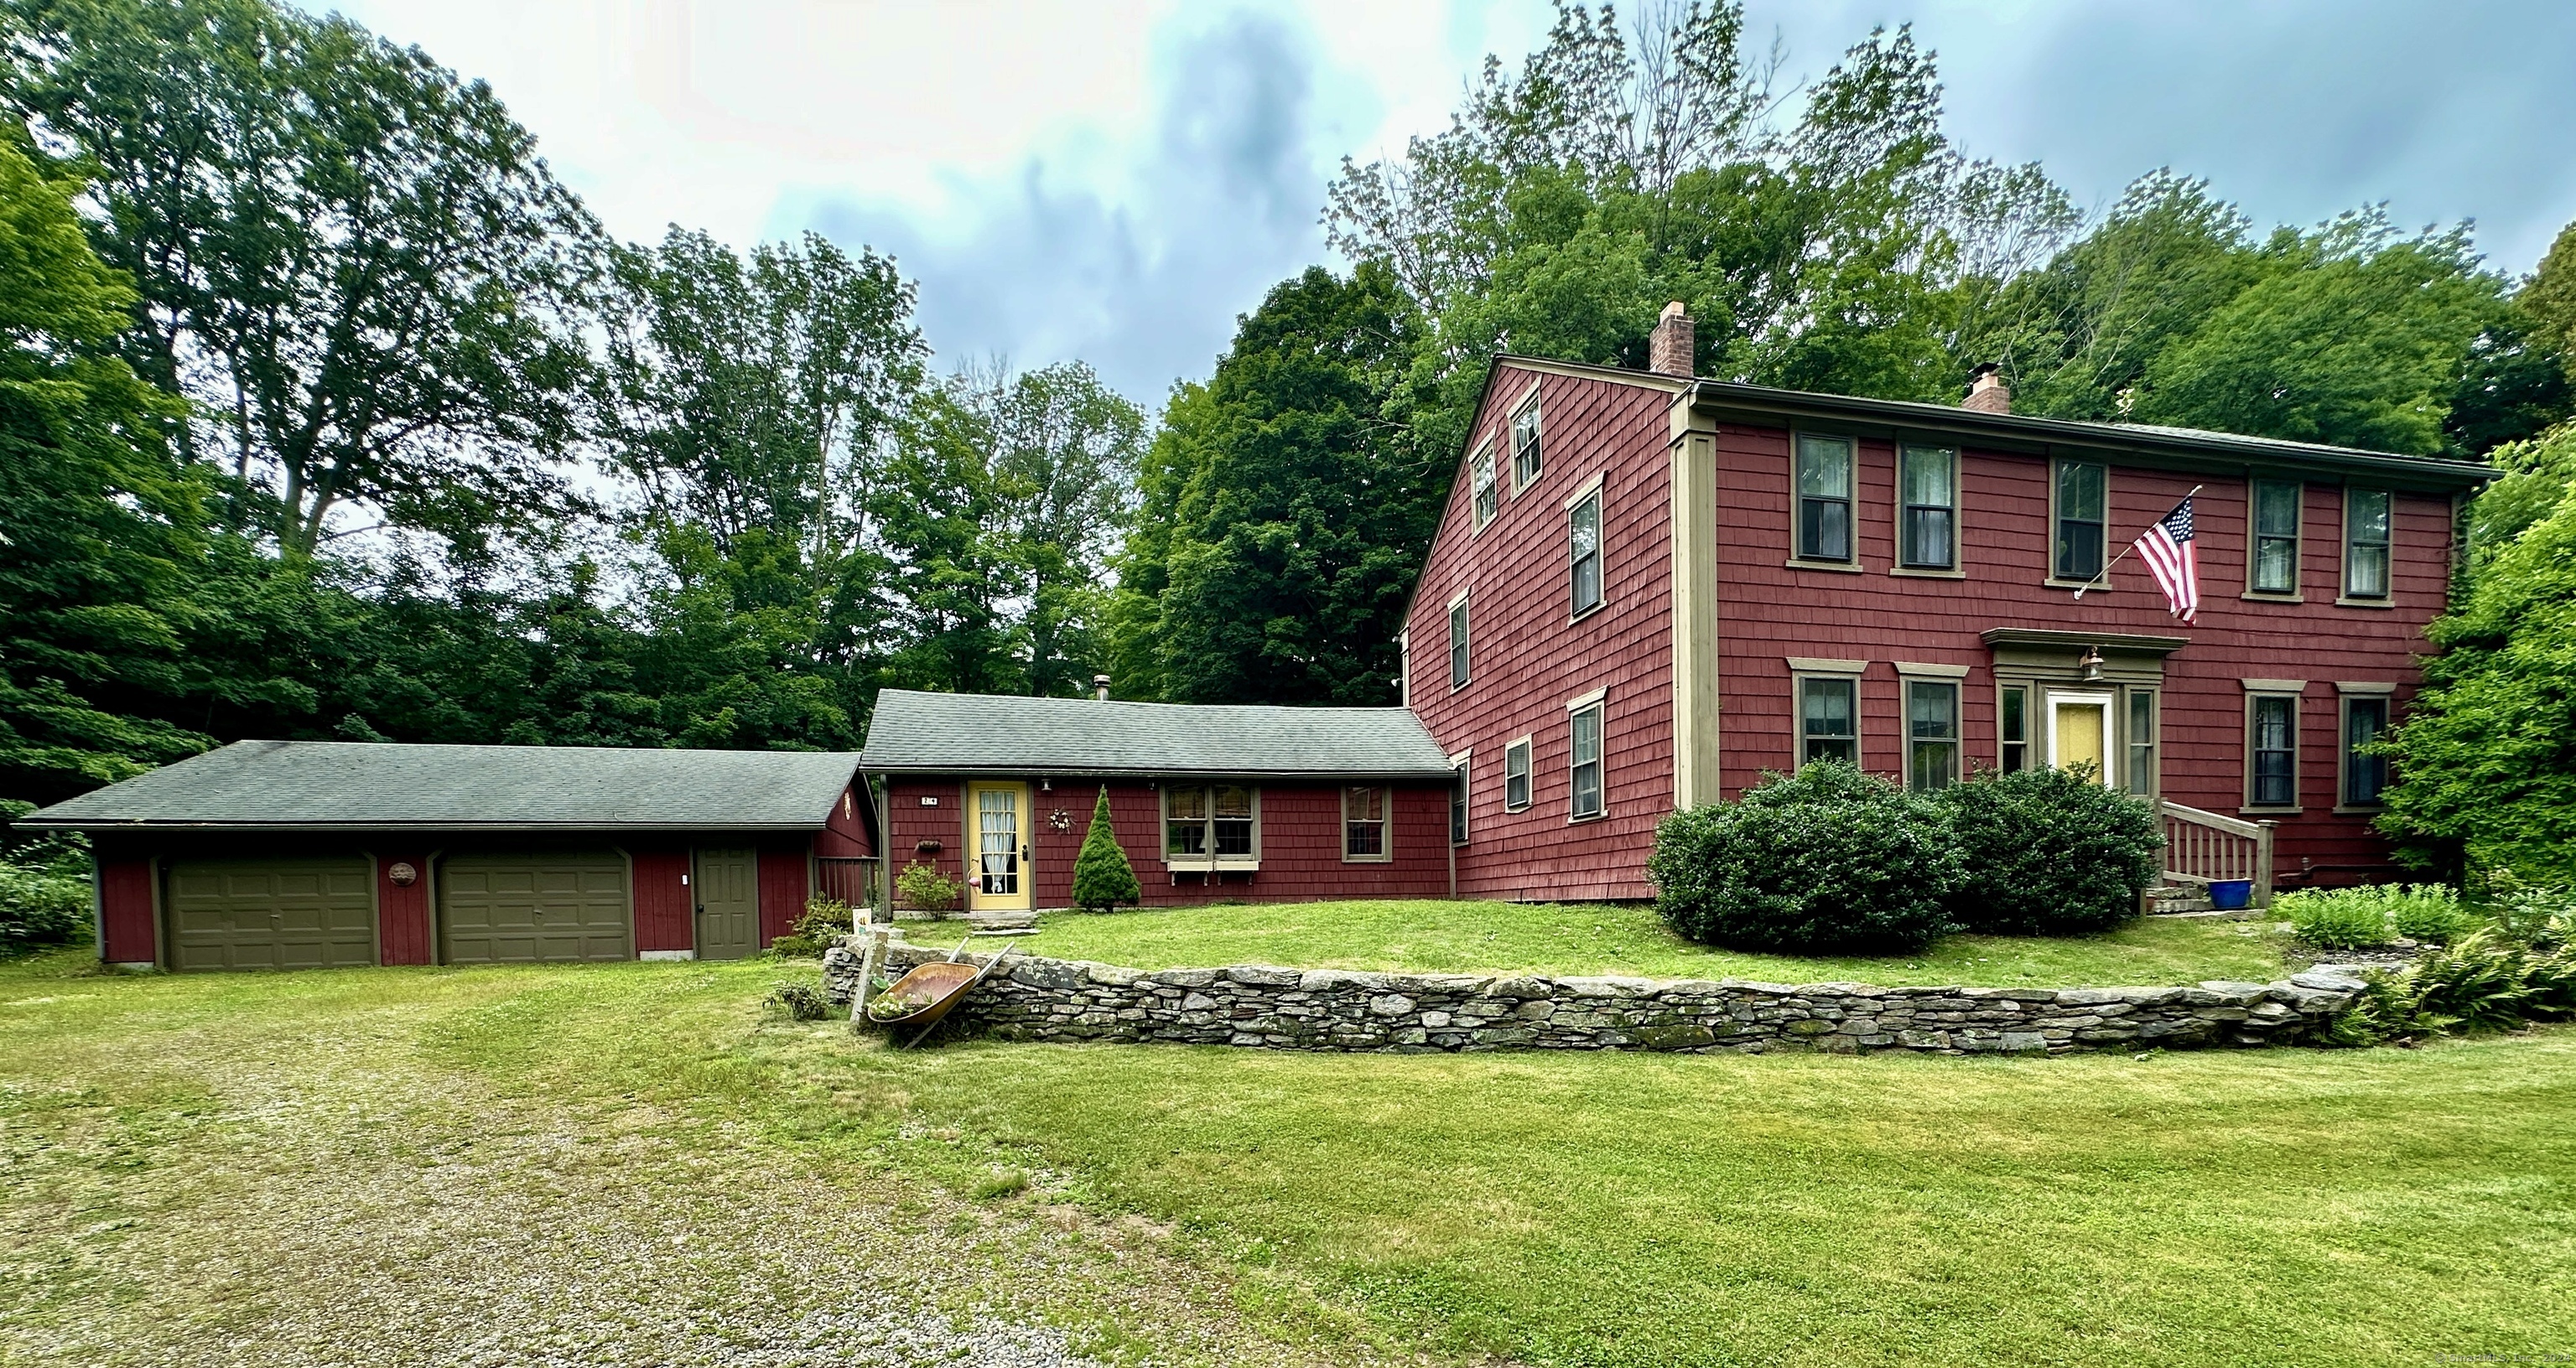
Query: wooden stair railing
column 2203, row 847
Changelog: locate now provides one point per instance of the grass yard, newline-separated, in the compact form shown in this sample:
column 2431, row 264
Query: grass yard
column 638, row 1163
column 1430, row 936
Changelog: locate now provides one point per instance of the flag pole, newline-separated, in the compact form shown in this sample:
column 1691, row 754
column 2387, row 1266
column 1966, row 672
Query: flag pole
column 2105, row 572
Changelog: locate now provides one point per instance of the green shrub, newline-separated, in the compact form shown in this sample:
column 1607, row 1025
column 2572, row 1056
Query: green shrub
column 803, row 1002
column 2338, row 918
column 2486, row 979
column 2431, row 913
column 1102, row 878
column 41, row 906
column 814, row 928
column 2388, row 1008
column 923, row 888
column 1829, row 861
column 2049, row 852
column 2543, row 917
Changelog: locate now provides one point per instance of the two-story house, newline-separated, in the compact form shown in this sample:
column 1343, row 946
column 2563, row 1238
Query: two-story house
column 1648, row 589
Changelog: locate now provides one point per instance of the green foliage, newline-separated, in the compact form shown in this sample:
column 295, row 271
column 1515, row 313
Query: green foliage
column 923, row 888
column 2486, row 758
column 2386, row 1010
column 2049, row 852
column 1837, row 863
column 814, row 929
column 44, row 888
column 1102, row 877
column 803, row 1002
column 2339, row 918
column 2548, row 299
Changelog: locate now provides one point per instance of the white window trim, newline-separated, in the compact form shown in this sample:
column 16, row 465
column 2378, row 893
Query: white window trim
column 1596, row 702
column 1526, row 403
column 2296, row 593
column 1404, row 668
column 1459, row 679
column 2100, row 584
column 1954, row 570
column 2344, row 597
column 1600, row 550
column 1851, row 502
column 1529, row 778
column 1385, row 825
column 1463, row 785
column 1477, row 519
column 1210, row 862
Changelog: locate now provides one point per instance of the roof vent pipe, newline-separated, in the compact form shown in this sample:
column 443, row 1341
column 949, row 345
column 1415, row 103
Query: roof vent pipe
column 1100, row 688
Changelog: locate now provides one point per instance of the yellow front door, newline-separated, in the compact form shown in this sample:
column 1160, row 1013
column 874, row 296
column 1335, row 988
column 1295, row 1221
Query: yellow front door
column 999, row 876
column 2077, row 727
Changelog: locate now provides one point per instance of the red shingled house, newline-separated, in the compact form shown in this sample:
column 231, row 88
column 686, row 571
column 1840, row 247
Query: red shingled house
column 1648, row 589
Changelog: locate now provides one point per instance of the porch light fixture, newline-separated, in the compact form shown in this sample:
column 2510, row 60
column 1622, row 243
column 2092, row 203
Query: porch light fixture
column 2091, row 664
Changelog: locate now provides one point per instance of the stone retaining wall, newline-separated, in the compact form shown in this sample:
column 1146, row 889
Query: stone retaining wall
column 1266, row 1007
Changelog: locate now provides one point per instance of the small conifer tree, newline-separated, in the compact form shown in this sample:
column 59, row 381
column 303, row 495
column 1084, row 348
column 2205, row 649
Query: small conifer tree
column 1102, row 878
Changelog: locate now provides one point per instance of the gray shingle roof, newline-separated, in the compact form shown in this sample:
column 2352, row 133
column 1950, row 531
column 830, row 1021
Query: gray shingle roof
column 968, row 733
column 367, row 784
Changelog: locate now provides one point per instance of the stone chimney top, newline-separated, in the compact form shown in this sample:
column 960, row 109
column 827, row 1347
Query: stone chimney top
column 1670, row 350
column 1986, row 391
column 1100, row 687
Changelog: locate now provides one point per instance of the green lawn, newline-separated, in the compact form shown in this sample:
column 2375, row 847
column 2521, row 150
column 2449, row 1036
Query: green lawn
column 1430, row 936
column 633, row 1163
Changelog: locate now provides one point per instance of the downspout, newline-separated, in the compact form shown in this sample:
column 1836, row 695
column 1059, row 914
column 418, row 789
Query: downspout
column 1453, row 871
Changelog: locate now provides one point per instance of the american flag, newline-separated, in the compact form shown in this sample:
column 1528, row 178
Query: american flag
column 2166, row 548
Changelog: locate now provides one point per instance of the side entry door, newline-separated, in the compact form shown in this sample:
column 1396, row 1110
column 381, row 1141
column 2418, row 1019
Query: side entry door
column 998, row 875
column 728, row 903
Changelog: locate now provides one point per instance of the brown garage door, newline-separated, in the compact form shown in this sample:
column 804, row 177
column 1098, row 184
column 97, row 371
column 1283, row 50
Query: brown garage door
column 534, row 908
column 272, row 914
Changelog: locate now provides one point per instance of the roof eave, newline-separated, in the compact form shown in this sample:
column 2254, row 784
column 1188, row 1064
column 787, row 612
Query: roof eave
column 38, row 822
column 1024, row 771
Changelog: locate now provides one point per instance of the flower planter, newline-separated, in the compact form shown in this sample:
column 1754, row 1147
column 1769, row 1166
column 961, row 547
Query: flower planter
column 2231, row 895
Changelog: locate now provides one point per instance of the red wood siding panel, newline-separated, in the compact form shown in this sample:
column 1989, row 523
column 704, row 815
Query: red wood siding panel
column 909, row 824
column 845, row 832
column 125, row 899
column 1769, row 611
column 1528, row 659
column 402, row 912
column 665, row 907
column 784, row 887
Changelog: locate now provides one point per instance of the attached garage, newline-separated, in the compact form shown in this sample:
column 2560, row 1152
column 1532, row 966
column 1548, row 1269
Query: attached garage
column 272, row 914
column 535, row 908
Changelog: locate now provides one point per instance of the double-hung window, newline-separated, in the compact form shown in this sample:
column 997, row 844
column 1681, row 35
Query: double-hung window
column 2272, row 750
column 1210, row 824
column 1829, row 719
column 1584, row 768
column 1516, row 775
column 1525, row 455
column 1928, row 533
column 2365, row 544
column 1458, row 643
column 1931, row 734
column 1824, row 498
column 1458, row 768
column 2080, row 509
column 1583, row 551
column 2142, row 742
column 1480, row 479
column 2275, row 551
column 2365, row 775
column 1364, row 824
column 2012, row 728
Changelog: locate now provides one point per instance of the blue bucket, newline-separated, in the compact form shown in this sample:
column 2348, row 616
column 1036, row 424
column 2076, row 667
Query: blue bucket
column 2229, row 895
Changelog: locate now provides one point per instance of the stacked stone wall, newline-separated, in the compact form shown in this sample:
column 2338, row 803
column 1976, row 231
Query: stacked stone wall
column 1267, row 1007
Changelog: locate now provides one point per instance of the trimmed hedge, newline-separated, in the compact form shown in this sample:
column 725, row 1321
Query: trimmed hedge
column 1829, row 861
column 2049, row 852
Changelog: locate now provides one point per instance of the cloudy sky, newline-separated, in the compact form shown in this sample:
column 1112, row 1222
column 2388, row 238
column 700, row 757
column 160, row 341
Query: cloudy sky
column 1118, row 180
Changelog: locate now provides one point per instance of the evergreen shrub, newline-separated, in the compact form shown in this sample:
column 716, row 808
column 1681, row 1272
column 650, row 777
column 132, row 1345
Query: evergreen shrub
column 923, row 888
column 1827, row 861
column 2049, row 852
column 1102, row 877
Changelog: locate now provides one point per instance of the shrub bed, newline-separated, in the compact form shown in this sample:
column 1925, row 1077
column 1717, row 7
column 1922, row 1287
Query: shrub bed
column 2049, row 852
column 1829, row 861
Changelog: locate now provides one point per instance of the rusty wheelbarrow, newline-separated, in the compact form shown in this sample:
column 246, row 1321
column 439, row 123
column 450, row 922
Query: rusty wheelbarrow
column 930, row 992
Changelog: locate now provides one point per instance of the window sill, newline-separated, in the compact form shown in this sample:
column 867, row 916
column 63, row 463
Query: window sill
column 1595, row 608
column 2269, row 811
column 2100, row 586
column 2259, row 596
column 1522, row 808
column 2360, row 809
column 1587, row 817
column 2365, row 603
column 1838, row 567
column 1185, row 864
column 1368, row 859
column 1926, row 572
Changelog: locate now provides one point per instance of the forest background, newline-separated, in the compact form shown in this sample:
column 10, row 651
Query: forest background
column 327, row 411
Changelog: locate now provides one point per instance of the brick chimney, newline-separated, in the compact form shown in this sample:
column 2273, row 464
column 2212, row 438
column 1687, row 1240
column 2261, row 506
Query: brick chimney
column 1986, row 391
column 1100, row 687
column 1669, row 352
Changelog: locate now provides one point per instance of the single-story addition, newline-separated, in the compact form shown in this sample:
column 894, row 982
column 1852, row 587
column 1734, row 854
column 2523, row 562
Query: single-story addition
column 312, row 854
column 1211, row 802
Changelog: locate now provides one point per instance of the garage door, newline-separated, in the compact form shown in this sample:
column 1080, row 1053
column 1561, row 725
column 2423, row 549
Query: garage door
column 530, row 909
column 272, row 914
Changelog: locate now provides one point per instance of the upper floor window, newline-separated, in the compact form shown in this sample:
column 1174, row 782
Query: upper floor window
column 1584, row 771
column 1201, row 821
column 1364, row 823
column 1928, row 533
column 1458, row 643
column 1829, row 720
column 2365, row 775
column 2365, row 543
column 1516, row 775
column 1480, row 477
column 1583, row 551
column 2276, row 537
column 1824, row 498
column 2081, row 514
column 1931, row 734
column 1525, row 456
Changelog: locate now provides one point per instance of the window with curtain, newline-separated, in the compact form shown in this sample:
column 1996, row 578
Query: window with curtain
column 2276, row 537
column 1829, row 720
column 1931, row 734
column 2272, row 744
column 1364, row 823
column 1824, row 498
column 1930, row 486
column 1583, row 551
column 2365, row 544
column 2082, row 511
column 1209, row 820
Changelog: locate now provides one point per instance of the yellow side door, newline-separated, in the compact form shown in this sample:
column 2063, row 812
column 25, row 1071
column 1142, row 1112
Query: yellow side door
column 998, row 863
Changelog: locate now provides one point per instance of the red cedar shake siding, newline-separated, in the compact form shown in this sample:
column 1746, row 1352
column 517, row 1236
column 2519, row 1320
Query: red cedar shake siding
column 1300, row 841
column 665, row 904
column 402, row 910
column 784, row 888
column 845, row 832
column 1527, row 659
